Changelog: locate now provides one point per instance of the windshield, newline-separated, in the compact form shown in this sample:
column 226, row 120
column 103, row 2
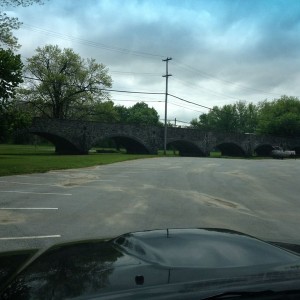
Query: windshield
column 125, row 116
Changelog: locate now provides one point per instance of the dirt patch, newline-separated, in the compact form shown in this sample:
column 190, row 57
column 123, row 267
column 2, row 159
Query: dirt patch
column 77, row 179
column 7, row 217
column 221, row 202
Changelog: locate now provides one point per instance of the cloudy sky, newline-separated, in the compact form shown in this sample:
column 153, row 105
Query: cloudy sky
column 222, row 50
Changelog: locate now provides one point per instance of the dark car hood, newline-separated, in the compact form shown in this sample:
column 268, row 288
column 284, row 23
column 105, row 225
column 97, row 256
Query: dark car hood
column 145, row 259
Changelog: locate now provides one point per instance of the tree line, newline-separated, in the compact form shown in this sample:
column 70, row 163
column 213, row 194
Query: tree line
column 279, row 117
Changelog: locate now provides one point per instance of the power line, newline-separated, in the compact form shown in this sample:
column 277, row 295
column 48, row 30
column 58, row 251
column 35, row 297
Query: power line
column 146, row 101
column 110, row 90
column 172, row 103
column 187, row 101
column 140, row 92
column 206, row 89
column 87, row 42
column 210, row 76
column 182, row 121
column 170, row 120
column 132, row 92
column 123, row 72
column 139, row 53
column 134, row 73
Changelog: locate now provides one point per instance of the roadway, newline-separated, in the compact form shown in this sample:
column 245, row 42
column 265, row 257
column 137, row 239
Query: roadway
column 258, row 197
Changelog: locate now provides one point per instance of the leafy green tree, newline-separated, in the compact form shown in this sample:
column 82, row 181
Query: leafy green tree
column 10, row 74
column 247, row 117
column 122, row 113
column 104, row 112
column 141, row 113
column 238, row 117
column 280, row 117
column 224, row 119
column 8, row 24
column 16, row 117
column 60, row 84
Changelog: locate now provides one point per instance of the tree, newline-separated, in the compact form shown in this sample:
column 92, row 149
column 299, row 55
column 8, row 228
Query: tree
column 247, row 117
column 8, row 24
column 238, row 117
column 139, row 113
column 104, row 112
column 60, row 84
column 10, row 77
column 13, row 120
column 122, row 113
column 10, row 74
column 280, row 117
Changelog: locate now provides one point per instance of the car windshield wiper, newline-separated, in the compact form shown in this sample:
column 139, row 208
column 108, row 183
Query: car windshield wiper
column 253, row 294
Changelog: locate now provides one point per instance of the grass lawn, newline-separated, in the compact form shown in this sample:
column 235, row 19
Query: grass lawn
column 215, row 154
column 22, row 159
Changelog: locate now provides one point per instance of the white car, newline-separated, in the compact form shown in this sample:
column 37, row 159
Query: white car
column 278, row 152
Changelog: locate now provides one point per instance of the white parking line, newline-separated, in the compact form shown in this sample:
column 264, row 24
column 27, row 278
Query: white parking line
column 27, row 183
column 35, row 193
column 104, row 180
column 55, row 185
column 29, row 208
column 30, row 237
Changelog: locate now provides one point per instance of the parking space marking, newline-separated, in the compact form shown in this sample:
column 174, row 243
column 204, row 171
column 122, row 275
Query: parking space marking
column 104, row 180
column 27, row 183
column 35, row 193
column 30, row 237
column 29, row 208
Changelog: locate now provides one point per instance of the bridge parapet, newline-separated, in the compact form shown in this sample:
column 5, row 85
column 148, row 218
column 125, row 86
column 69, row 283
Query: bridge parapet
column 70, row 136
column 77, row 136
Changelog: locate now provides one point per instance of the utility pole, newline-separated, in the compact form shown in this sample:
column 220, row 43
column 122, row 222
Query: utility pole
column 166, row 102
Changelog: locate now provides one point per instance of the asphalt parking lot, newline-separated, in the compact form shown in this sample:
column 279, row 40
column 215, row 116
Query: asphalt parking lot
column 258, row 197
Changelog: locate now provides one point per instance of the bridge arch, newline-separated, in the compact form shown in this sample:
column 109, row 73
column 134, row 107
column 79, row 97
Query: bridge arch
column 133, row 145
column 297, row 149
column 62, row 145
column 230, row 149
column 263, row 150
column 186, row 148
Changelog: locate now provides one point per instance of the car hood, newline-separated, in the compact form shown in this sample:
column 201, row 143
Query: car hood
column 139, row 260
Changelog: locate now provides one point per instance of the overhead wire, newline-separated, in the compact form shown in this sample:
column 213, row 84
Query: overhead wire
column 88, row 42
column 177, row 121
column 146, row 101
column 206, row 89
column 149, row 93
column 141, row 53
column 144, row 93
column 176, row 104
column 212, row 77
column 124, row 72
column 187, row 101
column 133, row 92
column 134, row 73
column 113, row 90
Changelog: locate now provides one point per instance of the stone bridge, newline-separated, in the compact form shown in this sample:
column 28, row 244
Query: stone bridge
column 78, row 137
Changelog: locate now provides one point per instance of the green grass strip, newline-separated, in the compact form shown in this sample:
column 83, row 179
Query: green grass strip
column 23, row 159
